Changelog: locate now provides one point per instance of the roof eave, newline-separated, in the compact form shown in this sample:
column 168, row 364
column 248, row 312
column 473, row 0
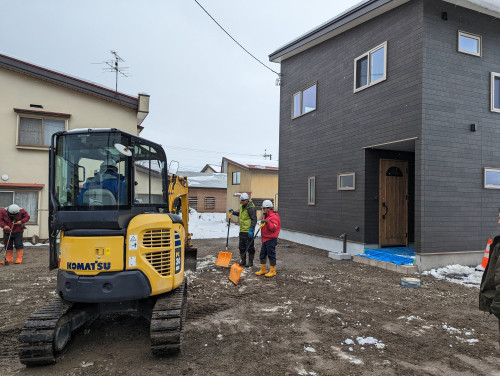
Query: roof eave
column 355, row 16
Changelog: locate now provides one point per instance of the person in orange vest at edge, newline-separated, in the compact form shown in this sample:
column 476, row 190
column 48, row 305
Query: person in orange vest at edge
column 269, row 234
column 489, row 291
column 12, row 220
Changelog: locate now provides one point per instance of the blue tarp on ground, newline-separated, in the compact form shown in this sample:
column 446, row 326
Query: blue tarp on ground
column 396, row 255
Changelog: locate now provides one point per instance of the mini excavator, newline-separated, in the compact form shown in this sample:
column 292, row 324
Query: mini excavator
column 119, row 238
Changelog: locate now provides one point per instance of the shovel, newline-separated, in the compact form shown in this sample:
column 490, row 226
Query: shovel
column 236, row 269
column 225, row 257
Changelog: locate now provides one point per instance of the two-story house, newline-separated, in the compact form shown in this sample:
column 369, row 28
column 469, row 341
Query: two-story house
column 258, row 178
column 36, row 102
column 390, row 129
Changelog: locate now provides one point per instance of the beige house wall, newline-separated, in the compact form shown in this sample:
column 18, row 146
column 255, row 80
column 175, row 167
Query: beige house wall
column 258, row 184
column 30, row 165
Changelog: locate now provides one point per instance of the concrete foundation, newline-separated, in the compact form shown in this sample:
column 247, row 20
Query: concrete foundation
column 339, row 256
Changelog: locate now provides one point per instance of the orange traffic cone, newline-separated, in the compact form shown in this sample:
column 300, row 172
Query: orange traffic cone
column 486, row 256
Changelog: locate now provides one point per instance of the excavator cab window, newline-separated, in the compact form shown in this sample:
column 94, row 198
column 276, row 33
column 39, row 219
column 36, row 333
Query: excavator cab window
column 91, row 173
column 149, row 167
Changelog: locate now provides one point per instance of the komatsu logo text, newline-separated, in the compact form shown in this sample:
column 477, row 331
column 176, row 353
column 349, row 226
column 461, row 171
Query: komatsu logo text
column 88, row 265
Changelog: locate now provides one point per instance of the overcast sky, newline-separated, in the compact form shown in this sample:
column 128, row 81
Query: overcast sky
column 209, row 99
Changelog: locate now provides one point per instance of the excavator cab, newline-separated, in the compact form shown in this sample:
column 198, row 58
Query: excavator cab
column 116, row 239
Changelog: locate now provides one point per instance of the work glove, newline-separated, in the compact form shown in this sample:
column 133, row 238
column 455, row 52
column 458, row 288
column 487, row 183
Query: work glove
column 264, row 221
column 250, row 232
column 230, row 211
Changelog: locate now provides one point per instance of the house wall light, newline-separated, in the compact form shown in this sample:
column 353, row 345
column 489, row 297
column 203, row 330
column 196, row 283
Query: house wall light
column 473, row 127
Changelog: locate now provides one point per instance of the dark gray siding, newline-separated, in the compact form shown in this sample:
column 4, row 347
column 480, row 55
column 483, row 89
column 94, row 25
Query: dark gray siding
column 330, row 140
column 457, row 213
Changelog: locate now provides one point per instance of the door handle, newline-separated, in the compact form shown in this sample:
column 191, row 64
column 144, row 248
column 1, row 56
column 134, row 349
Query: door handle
column 386, row 210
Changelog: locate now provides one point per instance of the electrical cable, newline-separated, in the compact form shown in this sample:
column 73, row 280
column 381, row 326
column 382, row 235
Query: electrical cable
column 279, row 74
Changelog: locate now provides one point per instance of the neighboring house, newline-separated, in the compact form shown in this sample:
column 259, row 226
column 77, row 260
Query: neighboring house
column 258, row 178
column 36, row 102
column 211, row 168
column 207, row 192
column 389, row 129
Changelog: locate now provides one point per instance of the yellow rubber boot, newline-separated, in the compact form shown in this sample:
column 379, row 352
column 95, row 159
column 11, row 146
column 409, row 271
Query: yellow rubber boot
column 19, row 258
column 272, row 272
column 262, row 270
column 9, row 255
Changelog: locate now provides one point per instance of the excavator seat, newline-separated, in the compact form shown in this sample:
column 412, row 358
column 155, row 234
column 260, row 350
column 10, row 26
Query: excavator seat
column 98, row 197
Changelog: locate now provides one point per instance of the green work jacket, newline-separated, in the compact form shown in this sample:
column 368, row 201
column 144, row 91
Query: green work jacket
column 489, row 292
column 248, row 216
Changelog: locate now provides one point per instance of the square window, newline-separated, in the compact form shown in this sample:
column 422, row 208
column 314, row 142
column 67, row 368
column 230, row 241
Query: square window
column 209, row 203
column 346, row 181
column 304, row 101
column 469, row 43
column 370, row 68
column 236, row 178
column 311, row 190
column 492, row 178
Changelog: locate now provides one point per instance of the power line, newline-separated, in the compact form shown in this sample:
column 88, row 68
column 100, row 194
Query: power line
column 244, row 49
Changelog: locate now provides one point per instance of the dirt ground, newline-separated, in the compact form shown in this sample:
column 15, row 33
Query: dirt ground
column 318, row 316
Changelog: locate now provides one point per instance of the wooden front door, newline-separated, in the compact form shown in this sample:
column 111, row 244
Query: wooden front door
column 393, row 202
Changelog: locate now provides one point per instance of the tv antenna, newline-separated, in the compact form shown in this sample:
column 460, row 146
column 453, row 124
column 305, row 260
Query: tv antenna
column 114, row 66
column 267, row 155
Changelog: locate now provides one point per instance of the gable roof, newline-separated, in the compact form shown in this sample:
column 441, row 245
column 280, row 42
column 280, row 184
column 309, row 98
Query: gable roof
column 255, row 164
column 214, row 167
column 68, row 81
column 361, row 13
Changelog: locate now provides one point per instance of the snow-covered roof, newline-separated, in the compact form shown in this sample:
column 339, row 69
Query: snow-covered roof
column 252, row 164
column 214, row 167
column 204, row 180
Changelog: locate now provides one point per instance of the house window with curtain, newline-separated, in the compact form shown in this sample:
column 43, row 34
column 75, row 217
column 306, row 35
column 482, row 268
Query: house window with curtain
column 236, row 177
column 35, row 128
column 28, row 200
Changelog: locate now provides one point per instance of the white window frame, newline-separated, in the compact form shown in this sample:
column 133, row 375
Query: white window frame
column 471, row 36
column 368, row 55
column 309, row 180
column 301, row 93
column 339, row 177
column 490, row 186
column 236, row 174
column 492, row 90
column 42, row 118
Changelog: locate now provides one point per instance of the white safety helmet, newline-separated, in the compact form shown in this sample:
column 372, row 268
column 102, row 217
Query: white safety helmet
column 267, row 204
column 13, row 209
column 244, row 196
column 109, row 165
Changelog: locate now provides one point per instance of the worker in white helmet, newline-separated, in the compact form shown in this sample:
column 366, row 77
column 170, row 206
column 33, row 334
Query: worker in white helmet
column 270, row 233
column 12, row 219
column 248, row 220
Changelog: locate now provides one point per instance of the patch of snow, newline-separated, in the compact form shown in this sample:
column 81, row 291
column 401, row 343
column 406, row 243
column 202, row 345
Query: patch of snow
column 367, row 340
column 211, row 225
column 6, row 290
column 349, row 341
column 463, row 275
column 487, row 4
column 310, row 349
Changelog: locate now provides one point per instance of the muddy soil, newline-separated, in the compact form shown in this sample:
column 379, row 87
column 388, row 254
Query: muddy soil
column 318, row 316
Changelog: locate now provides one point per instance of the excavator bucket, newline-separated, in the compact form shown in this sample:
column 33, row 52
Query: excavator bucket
column 235, row 273
column 190, row 257
column 224, row 259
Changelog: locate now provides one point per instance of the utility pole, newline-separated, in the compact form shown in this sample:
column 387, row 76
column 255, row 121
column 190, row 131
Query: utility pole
column 267, row 155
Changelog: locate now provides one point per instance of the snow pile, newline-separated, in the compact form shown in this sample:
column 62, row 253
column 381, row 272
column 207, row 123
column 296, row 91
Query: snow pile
column 487, row 4
column 210, row 225
column 464, row 275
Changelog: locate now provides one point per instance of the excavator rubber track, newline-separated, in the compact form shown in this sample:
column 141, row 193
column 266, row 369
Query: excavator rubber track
column 167, row 322
column 36, row 340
